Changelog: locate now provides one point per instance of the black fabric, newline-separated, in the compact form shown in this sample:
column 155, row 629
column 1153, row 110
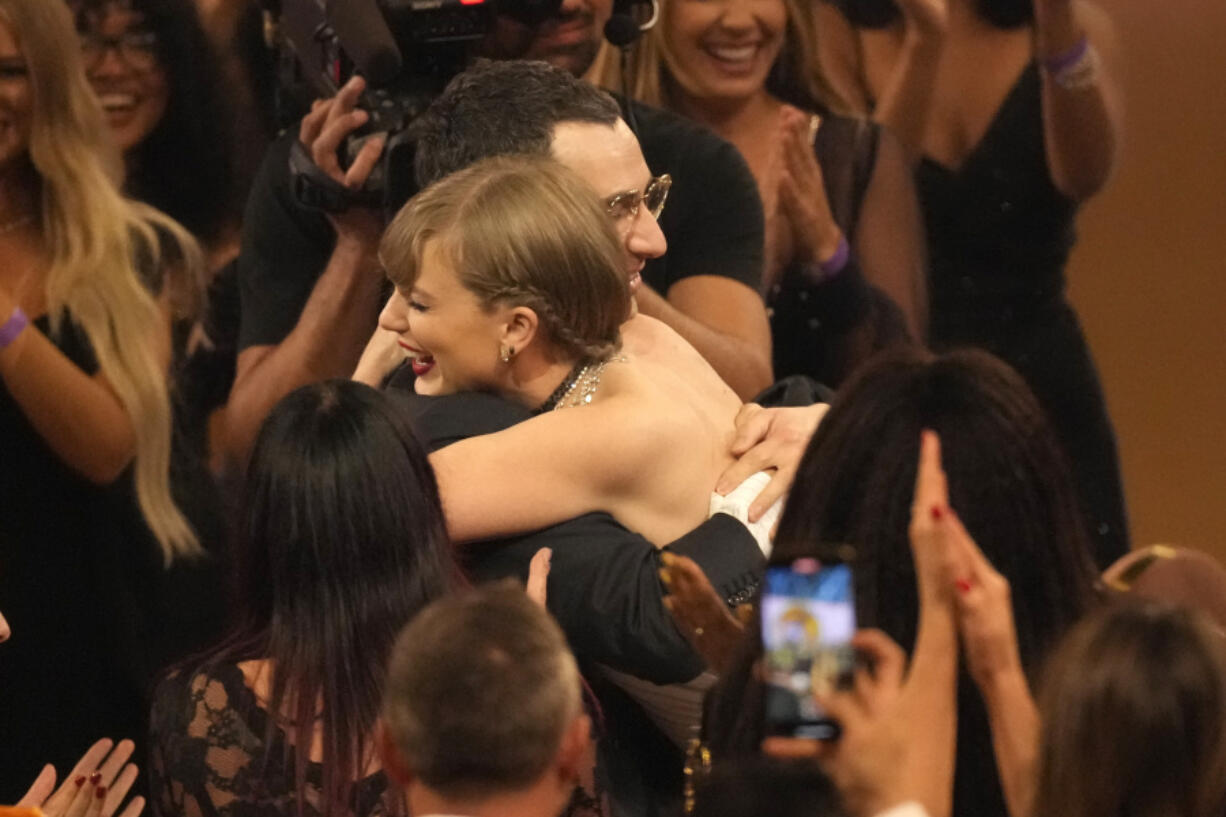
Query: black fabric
column 713, row 218
column 209, row 758
column 94, row 613
column 823, row 330
column 70, row 674
column 285, row 248
column 713, row 222
column 1000, row 234
column 604, row 587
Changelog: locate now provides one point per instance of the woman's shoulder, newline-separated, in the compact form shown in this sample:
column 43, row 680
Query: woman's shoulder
column 189, row 697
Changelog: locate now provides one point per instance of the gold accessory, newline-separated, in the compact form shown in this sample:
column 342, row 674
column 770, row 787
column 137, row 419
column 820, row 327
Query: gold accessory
column 507, row 354
column 697, row 766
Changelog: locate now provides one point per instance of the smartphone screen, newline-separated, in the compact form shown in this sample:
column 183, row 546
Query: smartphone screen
column 808, row 619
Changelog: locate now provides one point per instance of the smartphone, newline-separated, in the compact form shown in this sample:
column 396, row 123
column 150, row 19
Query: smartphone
column 808, row 619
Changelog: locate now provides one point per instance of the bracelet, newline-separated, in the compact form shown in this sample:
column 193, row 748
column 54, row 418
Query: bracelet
column 1065, row 61
column 833, row 265
column 13, row 327
column 1076, row 69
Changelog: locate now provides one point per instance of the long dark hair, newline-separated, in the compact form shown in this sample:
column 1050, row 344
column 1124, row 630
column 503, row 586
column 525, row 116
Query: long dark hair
column 1007, row 479
column 341, row 541
column 186, row 166
column 884, row 13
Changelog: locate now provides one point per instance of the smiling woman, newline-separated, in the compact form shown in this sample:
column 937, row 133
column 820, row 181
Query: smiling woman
column 160, row 84
column 84, row 404
column 839, row 204
column 511, row 278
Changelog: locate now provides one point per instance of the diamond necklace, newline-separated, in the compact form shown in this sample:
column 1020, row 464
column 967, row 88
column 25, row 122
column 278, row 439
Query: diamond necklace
column 580, row 385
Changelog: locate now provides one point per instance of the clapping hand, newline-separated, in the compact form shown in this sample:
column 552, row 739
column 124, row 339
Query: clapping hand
column 700, row 613
column 802, row 190
column 96, row 786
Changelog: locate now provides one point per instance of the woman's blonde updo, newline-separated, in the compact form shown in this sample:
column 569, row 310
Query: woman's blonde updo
column 522, row 231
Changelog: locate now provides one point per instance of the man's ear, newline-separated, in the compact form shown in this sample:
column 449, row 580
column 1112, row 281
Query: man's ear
column 394, row 764
column 520, row 328
column 574, row 750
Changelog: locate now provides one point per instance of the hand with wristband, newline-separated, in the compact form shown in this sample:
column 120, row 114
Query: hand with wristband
column 820, row 245
column 13, row 320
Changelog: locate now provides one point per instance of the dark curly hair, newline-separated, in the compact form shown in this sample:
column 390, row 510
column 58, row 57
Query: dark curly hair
column 186, row 166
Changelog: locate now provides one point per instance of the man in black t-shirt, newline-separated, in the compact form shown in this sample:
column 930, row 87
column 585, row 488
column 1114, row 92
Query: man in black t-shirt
column 310, row 296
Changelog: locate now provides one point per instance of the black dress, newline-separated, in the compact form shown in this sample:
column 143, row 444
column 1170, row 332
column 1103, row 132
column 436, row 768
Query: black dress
column 1000, row 234
column 95, row 614
column 209, row 757
column 69, row 586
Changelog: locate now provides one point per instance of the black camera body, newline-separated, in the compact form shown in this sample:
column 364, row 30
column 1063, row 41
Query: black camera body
column 407, row 50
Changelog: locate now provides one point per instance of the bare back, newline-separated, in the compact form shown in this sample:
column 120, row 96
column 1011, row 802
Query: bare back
column 648, row 450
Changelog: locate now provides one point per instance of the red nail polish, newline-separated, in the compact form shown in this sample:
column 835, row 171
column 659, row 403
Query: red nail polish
column 80, row 781
column 964, row 585
column 100, row 792
column 936, row 512
column 95, row 777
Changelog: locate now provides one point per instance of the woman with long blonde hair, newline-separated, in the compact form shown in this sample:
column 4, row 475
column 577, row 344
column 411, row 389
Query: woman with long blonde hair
column 87, row 283
column 837, row 193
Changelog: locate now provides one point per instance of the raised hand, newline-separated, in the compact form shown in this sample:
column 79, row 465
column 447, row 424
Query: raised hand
column 802, row 190
column 96, row 786
column 537, row 586
column 701, row 614
column 870, row 761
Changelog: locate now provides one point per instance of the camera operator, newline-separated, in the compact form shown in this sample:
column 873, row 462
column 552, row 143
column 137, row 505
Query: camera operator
column 311, row 286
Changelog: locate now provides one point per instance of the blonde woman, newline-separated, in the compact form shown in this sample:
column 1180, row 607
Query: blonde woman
column 839, row 201
column 512, row 280
column 87, row 279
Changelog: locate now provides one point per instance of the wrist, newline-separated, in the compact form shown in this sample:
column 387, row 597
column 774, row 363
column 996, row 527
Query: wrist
column 1003, row 684
column 830, row 243
column 1056, row 29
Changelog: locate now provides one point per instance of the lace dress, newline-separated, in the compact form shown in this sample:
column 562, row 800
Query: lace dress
column 209, row 758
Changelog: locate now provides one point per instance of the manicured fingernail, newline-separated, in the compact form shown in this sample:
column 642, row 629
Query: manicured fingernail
column 964, row 585
column 937, row 512
column 80, row 781
column 100, row 792
column 95, row 777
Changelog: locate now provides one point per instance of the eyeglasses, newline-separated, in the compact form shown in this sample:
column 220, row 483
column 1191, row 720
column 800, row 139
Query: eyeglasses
column 137, row 48
column 626, row 205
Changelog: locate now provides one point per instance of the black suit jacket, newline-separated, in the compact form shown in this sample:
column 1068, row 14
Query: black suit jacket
column 604, row 587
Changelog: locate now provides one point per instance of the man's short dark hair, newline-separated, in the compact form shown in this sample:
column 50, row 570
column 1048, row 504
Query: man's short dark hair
column 497, row 108
column 481, row 689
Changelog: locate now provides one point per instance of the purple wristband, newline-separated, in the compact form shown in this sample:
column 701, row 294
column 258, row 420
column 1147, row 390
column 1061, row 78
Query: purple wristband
column 833, row 265
column 13, row 327
column 1062, row 62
